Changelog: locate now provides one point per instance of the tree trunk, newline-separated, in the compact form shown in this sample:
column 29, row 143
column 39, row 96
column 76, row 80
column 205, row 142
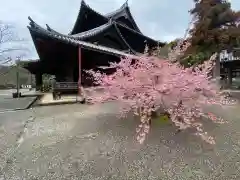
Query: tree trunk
column 216, row 72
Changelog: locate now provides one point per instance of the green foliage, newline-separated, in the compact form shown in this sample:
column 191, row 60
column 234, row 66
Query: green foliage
column 47, row 82
column 163, row 51
column 193, row 59
column 162, row 119
column 173, row 43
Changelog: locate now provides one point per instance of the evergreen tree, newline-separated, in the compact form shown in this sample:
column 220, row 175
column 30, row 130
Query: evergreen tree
column 216, row 28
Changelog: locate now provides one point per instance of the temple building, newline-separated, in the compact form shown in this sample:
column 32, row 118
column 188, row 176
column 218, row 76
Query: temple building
column 230, row 68
column 94, row 41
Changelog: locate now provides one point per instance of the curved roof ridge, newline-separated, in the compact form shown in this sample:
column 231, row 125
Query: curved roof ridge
column 92, row 9
column 125, row 5
column 93, row 31
column 120, row 24
column 124, row 40
column 124, row 9
column 100, row 29
column 131, row 17
column 82, row 6
column 36, row 27
column 52, row 30
column 33, row 24
column 80, row 36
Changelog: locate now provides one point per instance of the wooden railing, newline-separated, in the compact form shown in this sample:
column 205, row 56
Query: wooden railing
column 63, row 87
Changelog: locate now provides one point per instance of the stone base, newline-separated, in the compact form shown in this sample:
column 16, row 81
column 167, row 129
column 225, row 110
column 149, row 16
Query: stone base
column 16, row 95
column 81, row 99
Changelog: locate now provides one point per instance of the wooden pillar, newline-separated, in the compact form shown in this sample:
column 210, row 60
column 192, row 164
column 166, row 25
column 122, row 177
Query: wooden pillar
column 216, row 71
column 79, row 70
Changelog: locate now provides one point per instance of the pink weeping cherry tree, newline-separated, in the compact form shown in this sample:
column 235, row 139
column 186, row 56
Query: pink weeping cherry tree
column 147, row 85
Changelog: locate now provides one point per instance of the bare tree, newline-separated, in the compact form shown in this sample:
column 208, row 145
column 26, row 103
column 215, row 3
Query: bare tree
column 8, row 38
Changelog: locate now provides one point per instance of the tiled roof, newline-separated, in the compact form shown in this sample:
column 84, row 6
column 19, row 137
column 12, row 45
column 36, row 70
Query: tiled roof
column 121, row 9
column 92, row 32
column 83, row 44
column 82, row 6
column 83, row 35
column 52, row 30
column 78, row 36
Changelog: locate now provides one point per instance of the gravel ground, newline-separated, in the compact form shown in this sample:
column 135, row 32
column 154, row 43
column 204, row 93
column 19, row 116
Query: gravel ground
column 88, row 142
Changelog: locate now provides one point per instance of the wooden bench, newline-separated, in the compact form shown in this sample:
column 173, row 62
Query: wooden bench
column 59, row 88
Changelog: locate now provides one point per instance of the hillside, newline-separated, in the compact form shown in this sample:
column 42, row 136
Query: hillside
column 8, row 76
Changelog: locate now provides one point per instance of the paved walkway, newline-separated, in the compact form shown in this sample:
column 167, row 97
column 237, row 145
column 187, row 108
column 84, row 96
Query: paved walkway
column 15, row 103
column 88, row 142
column 9, row 103
column 47, row 99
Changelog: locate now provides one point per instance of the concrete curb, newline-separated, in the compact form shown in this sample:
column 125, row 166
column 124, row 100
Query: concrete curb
column 59, row 103
column 55, row 103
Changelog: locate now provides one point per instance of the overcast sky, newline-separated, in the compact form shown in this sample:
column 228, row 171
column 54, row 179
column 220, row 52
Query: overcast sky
column 160, row 19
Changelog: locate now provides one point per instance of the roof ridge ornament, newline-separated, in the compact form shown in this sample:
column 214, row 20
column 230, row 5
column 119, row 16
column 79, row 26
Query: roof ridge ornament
column 30, row 19
column 48, row 27
column 125, row 4
column 32, row 22
column 110, row 21
column 83, row 2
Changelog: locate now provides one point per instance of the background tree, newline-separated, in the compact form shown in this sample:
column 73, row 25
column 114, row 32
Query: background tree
column 11, row 51
column 216, row 28
column 8, row 40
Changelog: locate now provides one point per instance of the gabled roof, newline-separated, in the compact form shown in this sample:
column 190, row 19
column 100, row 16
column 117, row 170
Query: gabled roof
column 111, row 25
column 121, row 31
column 121, row 15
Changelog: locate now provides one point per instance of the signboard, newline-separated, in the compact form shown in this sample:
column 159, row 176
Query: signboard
column 26, row 86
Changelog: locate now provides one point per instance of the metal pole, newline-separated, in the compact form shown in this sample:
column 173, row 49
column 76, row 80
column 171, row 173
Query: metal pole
column 30, row 82
column 17, row 63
